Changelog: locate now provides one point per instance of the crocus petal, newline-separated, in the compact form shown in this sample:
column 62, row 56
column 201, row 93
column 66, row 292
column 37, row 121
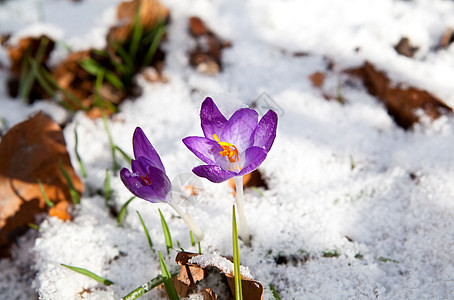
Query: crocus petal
column 157, row 191
column 203, row 148
column 211, row 118
column 265, row 133
column 143, row 148
column 213, row 173
column 254, row 157
column 238, row 130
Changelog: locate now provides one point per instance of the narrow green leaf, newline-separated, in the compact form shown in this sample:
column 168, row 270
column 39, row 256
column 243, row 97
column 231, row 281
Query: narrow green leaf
column 44, row 84
column 236, row 259
column 89, row 274
column 34, row 226
column 257, row 190
column 137, row 31
column 66, row 93
column 123, row 210
column 125, row 156
column 72, row 191
column 166, row 231
column 146, row 287
column 168, row 283
column 107, row 189
column 192, row 238
column 43, row 192
column 115, row 80
column 91, row 66
column 76, row 151
column 161, row 30
column 200, row 247
column 146, row 231
column 126, row 59
column 79, row 159
column 275, row 293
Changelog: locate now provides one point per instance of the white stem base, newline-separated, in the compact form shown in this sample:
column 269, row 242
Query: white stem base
column 244, row 230
column 188, row 221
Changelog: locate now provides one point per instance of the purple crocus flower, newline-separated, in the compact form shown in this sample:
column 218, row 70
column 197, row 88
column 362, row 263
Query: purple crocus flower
column 148, row 179
column 233, row 147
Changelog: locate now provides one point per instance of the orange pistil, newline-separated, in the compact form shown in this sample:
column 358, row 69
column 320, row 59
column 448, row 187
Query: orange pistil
column 229, row 150
column 145, row 179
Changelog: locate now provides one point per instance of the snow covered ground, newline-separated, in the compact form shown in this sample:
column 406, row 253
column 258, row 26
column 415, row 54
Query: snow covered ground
column 357, row 208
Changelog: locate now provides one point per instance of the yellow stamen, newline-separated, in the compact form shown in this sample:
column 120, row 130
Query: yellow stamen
column 229, row 150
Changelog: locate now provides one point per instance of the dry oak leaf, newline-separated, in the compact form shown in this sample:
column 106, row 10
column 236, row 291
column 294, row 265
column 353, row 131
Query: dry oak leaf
column 30, row 151
column 401, row 102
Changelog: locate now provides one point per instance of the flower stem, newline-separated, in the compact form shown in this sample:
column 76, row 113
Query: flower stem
column 187, row 220
column 244, row 230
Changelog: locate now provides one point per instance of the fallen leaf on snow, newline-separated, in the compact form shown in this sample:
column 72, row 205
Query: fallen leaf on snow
column 30, row 151
column 401, row 102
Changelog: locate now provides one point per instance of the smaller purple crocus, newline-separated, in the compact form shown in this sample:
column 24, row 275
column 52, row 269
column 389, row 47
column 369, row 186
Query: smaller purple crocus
column 148, row 179
column 232, row 148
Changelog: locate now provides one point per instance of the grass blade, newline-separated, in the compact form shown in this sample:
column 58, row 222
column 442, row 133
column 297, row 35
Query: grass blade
column 200, row 247
column 168, row 283
column 137, row 31
column 122, row 213
column 275, row 294
column 107, row 189
column 43, row 192
column 192, row 238
column 146, row 287
column 124, row 154
column 89, row 274
column 166, row 231
column 40, row 78
column 72, row 191
column 161, row 30
column 79, row 159
column 34, row 226
column 146, row 231
column 66, row 93
column 236, row 259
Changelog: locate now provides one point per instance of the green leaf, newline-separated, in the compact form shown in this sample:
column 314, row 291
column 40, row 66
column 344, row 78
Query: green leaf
column 34, row 226
column 146, row 231
column 192, row 238
column 43, row 192
column 137, row 31
column 236, row 259
column 91, row 66
column 107, row 188
column 41, row 80
column 146, row 287
column 72, row 191
column 89, row 274
column 166, row 231
column 79, row 159
column 168, row 283
column 161, row 30
column 275, row 294
column 125, row 156
column 122, row 213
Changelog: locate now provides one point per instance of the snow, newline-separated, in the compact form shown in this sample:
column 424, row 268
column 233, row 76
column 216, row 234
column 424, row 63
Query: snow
column 343, row 179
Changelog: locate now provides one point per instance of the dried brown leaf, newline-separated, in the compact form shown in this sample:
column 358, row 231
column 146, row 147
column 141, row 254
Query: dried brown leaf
column 401, row 102
column 252, row 289
column 30, row 151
